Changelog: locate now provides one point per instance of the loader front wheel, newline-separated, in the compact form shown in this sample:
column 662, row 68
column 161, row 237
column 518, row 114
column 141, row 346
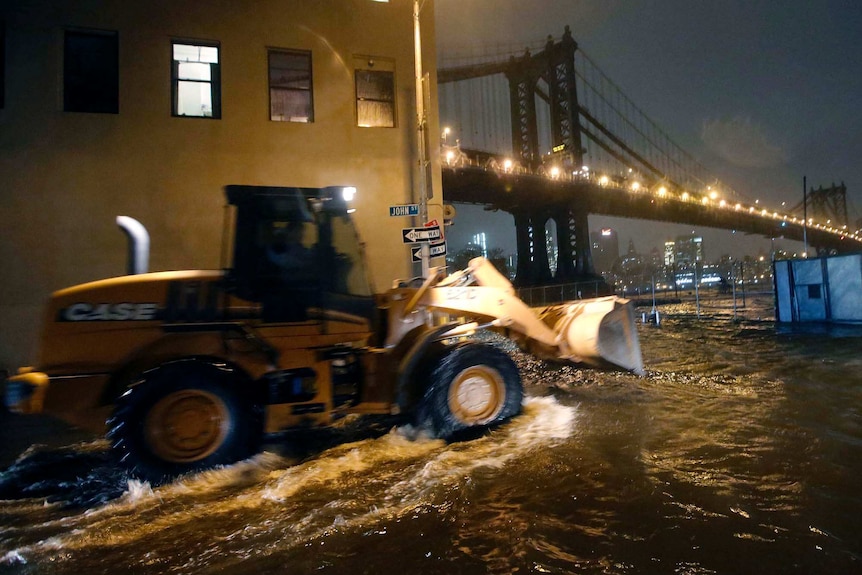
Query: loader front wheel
column 180, row 419
column 470, row 386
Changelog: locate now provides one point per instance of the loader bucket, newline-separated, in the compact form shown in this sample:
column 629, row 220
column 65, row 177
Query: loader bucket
column 599, row 332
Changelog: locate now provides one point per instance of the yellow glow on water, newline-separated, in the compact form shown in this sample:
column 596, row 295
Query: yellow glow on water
column 273, row 501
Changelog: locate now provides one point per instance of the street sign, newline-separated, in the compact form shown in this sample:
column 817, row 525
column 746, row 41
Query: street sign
column 436, row 250
column 404, row 210
column 416, row 235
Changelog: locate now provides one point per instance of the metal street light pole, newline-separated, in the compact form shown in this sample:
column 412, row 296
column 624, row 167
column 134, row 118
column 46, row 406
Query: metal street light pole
column 422, row 129
column 805, row 214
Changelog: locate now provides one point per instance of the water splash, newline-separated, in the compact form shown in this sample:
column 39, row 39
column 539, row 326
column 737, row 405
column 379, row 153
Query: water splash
column 348, row 487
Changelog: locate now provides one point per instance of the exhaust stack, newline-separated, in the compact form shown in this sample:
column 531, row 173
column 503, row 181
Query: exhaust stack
column 139, row 245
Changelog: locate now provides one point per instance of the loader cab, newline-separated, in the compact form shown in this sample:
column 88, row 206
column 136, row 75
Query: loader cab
column 296, row 252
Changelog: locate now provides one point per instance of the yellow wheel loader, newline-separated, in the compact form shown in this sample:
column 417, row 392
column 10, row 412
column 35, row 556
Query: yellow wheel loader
column 185, row 370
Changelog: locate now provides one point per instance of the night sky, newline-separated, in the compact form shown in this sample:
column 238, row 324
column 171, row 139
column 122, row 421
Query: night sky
column 762, row 92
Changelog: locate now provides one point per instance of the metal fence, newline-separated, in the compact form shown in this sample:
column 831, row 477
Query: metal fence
column 546, row 295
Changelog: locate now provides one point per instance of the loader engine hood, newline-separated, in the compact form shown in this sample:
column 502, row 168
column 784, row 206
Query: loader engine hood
column 134, row 298
column 116, row 308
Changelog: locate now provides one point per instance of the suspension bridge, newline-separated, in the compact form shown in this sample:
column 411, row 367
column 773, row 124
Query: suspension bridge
column 547, row 136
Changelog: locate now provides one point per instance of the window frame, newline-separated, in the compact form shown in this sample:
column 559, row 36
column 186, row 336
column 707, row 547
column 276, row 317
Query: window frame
column 374, row 65
column 214, row 81
column 272, row 88
column 815, row 291
column 77, row 95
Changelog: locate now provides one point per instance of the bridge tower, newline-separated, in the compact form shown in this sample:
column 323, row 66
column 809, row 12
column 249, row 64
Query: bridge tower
column 563, row 98
column 829, row 203
column 555, row 65
column 555, row 68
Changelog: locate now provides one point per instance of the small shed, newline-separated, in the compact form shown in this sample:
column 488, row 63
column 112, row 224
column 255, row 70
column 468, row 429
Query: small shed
column 822, row 289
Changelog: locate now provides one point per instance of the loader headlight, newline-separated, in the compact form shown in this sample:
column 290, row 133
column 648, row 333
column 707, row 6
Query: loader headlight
column 348, row 193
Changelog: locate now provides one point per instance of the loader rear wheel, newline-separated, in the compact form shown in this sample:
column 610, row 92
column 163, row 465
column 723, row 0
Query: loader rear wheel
column 183, row 418
column 470, row 386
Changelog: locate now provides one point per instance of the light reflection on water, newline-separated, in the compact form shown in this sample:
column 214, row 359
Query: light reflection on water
column 739, row 451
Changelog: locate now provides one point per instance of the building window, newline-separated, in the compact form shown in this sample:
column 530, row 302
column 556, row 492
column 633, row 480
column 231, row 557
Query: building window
column 814, row 291
column 375, row 93
column 196, row 80
column 91, row 75
column 290, row 93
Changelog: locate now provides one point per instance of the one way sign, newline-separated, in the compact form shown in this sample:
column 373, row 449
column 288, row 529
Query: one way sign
column 416, row 235
column 435, row 250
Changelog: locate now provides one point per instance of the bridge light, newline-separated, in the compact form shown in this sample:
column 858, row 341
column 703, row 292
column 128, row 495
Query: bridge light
column 662, row 191
column 604, row 180
column 737, row 207
column 722, row 204
column 446, row 132
column 763, row 212
column 684, row 196
column 507, row 165
column 713, row 195
column 636, row 186
column 585, row 169
column 450, row 157
column 555, row 172
column 704, row 200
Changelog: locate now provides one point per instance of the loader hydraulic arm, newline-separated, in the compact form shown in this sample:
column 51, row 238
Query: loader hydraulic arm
column 598, row 331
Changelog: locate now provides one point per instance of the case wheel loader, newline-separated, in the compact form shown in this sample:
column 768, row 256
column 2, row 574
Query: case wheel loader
column 186, row 370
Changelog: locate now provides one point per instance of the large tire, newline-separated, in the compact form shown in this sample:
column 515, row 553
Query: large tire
column 182, row 418
column 469, row 387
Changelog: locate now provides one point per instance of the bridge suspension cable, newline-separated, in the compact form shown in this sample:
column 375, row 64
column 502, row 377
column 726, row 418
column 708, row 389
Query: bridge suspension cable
column 619, row 138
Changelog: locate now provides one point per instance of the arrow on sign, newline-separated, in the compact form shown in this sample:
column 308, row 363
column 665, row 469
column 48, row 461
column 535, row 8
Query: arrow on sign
column 436, row 250
column 415, row 235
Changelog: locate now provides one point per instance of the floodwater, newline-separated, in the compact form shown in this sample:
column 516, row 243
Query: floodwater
column 740, row 451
